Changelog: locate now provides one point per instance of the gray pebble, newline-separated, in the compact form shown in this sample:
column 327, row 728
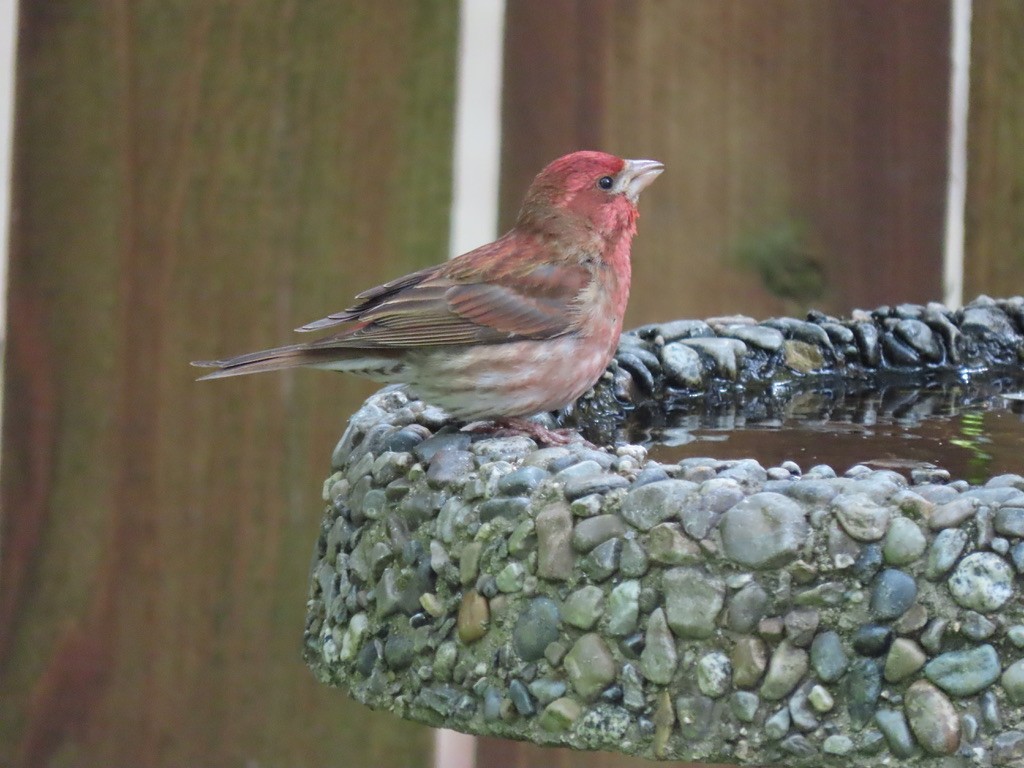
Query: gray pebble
column 633, row 562
column 583, row 607
column 743, row 705
column 521, row 698
column 723, row 353
column 787, row 666
column 828, row 657
column 603, row 560
column 546, row 690
column 682, row 365
column 450, row 467
column 904, row 542
column 513, row 449
column 800, row 711
column 645, row 507
column 658, row 660
column 764, row 530
column 982, row 581
column 576, row 487
column 777, row 726
column 596, row 530
column 693, row 599
column 749, row 661
column 522, row 481
column 893, row 725
column 905, row 658
column 513, row 508
column 861, row 517
column 1015, row 635
column 695, row 715
column 964, row 673
column 1017, row 556
column 554, row 547
column 536, row 627
column 990, row 715
column 714, row 674
column 863, row 686
column 1013, row 682
column 976, row 627
column 454, row 441
column 798, row 745
column 623, row 608
column 892, row 593
column 590, row 666
column 868, row 562
column 944, row 551
column 746, row 608
column 632, row 688
column 801, row 624
column 952, row 513
column 667, row 545
column 1009, row 521
column 837, row 744
column 603, row 725
column 872, row 639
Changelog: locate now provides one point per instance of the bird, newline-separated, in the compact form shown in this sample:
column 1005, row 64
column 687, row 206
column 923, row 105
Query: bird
column 514, row 328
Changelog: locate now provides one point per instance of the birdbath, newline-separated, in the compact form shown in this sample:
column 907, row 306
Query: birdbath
column 705, row 610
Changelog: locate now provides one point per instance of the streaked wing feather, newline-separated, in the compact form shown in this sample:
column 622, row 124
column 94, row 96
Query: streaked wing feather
column 466, row 301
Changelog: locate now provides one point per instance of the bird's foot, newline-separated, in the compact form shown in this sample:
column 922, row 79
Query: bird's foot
column 512, row 427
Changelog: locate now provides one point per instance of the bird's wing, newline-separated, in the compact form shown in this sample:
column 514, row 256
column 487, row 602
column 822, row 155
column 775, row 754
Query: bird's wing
column 462, row 303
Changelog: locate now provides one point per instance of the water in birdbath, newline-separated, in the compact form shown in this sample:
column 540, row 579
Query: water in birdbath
column 972, row 429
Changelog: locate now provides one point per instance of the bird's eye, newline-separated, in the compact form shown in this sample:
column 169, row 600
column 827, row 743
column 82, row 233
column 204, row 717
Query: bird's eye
column 605, row 182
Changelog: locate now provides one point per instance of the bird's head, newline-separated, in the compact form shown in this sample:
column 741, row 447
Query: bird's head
column 591, row 188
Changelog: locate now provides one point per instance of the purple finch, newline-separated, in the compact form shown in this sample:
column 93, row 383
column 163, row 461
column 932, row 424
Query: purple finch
column 516, row 327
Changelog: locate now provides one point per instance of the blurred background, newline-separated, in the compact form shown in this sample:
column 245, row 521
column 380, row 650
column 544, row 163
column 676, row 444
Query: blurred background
column 195, row 178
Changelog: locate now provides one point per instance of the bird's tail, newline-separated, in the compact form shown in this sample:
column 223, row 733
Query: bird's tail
column 292, row 356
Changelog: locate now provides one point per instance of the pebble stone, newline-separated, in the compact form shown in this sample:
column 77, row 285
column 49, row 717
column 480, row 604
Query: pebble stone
column 590, row 666
column 892, row 593
column 744, row 705
column 554, row 542
column 536, row 627
column 763, row 531
column 982, row 581
column 787, row 666
column 1012, row 682
column 659, row 659
column 828, row 657
column 944, row 551
column 583, row 607
column 904, row 542
column 749, row 661
column 905, row 658
column 860, row 517
column 623, row 608
column 893, row 724
column 747, row 607
column 932, row 718
column 963, row 673
column 714, row 674
column 693, row 599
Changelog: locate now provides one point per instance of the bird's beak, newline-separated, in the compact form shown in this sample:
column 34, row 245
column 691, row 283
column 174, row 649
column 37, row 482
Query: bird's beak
column 636, row 175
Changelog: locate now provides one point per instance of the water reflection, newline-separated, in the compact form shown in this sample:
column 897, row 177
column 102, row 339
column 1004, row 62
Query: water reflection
column 971, row 427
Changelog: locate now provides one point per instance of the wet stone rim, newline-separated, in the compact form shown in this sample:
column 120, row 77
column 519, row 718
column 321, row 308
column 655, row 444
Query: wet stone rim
column 707, row 610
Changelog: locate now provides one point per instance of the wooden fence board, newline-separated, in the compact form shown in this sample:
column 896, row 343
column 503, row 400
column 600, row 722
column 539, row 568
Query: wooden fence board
column 994, row 260
column 809, row 137
column 195, row 179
